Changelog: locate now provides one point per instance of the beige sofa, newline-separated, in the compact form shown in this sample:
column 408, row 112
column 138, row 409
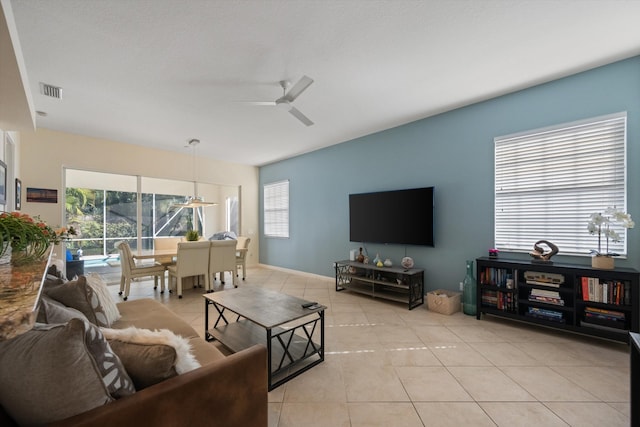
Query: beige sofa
column 225, row 391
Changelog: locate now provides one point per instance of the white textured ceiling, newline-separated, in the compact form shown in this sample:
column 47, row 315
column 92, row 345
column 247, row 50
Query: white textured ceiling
column 160, row 72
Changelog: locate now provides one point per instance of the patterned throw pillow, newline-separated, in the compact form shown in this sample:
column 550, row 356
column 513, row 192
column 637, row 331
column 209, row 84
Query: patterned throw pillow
column 79, row 295
column 104, row 297
column 113, row 373
column 56, row 371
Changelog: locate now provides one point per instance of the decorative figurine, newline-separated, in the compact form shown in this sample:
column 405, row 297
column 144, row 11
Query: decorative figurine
column 407, row 262
column 540, row 255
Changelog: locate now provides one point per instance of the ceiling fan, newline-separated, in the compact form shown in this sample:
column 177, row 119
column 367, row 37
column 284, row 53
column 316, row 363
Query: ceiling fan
column 286, row 100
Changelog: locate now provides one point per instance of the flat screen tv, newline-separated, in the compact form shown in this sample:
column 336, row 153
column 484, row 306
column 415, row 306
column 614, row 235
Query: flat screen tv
column 399, row 216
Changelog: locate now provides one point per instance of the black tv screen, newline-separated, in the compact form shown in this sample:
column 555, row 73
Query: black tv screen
column 399, row 216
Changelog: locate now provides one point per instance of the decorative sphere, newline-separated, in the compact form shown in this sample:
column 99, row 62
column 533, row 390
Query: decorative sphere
column 407, row 262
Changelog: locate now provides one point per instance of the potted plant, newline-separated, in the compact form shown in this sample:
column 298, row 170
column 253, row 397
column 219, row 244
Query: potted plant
column 192, row 236
column 601, row 224
column 27, row 237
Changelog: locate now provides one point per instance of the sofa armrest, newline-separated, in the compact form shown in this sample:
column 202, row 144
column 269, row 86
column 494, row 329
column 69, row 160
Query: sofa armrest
column 229, row 392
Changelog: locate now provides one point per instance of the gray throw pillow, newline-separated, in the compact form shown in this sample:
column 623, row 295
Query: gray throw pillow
column 56, row 371
column 79, row 295
column 52, row 311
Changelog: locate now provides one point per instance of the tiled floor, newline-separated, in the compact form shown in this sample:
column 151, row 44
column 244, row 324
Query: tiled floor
column 388, row 366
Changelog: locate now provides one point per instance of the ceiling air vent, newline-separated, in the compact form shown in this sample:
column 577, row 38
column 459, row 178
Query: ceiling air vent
column 52, row 91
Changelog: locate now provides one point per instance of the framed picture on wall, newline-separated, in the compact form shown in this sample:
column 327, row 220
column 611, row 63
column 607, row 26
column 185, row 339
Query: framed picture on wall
column 18, row 194
column 42, row 195
column 3, row 183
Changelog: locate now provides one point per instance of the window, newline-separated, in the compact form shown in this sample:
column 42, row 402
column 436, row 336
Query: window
column 276, row 209
column 106, row 208
column 548, row 181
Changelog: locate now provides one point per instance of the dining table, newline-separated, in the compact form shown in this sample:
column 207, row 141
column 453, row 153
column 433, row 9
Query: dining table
column 157, row 253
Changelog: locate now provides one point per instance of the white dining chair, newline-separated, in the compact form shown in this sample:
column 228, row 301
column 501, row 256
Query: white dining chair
column 242, row 247
column 166, row 243
column 192, row 260
column 131, row 270
column 222, row 258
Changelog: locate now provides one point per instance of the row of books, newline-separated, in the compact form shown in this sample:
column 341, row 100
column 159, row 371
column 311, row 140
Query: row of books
column 545, row 314
column 500, row 277
column 600, row 318
column 606, row 291
column 505, row 301
column 545, row 296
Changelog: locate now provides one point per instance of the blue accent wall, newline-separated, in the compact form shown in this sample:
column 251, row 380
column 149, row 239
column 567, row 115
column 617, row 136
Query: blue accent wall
column 454, row 153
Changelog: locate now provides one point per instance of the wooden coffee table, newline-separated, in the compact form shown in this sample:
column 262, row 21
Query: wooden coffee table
column 252, row 315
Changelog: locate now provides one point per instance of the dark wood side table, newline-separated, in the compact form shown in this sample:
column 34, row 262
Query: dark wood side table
column 635, row 378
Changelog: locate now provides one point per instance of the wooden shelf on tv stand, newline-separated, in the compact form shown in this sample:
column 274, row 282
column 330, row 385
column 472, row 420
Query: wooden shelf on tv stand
column 398, row 284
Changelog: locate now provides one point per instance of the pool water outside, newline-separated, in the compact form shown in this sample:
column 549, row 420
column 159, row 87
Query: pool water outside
column 101, row 262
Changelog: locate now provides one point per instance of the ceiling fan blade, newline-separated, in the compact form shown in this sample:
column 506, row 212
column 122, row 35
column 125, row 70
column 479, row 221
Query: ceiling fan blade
column 259, row 103
column 298, row 115
column 298, row 88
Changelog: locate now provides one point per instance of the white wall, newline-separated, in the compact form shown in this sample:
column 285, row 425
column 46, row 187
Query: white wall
column 45, row 153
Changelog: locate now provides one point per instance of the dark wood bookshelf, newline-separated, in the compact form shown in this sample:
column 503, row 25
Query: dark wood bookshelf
column 492, row 275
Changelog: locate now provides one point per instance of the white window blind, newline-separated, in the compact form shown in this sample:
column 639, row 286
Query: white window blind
column 276, row 209
column 548, row 181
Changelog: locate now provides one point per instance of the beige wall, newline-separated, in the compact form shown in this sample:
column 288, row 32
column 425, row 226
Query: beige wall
column 45, row 153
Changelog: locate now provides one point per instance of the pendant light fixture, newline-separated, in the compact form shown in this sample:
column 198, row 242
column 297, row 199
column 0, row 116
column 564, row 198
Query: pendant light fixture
column 194, row 201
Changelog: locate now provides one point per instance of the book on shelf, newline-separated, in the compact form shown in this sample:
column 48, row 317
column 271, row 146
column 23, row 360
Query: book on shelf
column 545, row 293
column 546, row 279
column 546, row 300
column 603, row 313
column 545, row 314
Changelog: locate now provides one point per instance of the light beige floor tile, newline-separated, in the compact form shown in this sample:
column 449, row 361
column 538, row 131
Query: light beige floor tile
column 607, row 384
column 337, row 307
column 489, row 384
column 525, row 414
column 355, row 333
column 583, row 414
column 393, row 333
column 457, row 354
column 623, row 407
column 274, row 414
column 452, row 414
column 386, row 318
column 322, row 383
column 601, row 353
column 546, row 385
column 553, row 353
column 348, row 319
column 277, row 394
column 475, row 333
column 432, row 334
column 410, row 354
column 373, row 384
column 512, row 331
column 435, row 384
column 383, row 414
column 419, row 316
column 458, row 318
column 314, row 414
column 504, row 354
